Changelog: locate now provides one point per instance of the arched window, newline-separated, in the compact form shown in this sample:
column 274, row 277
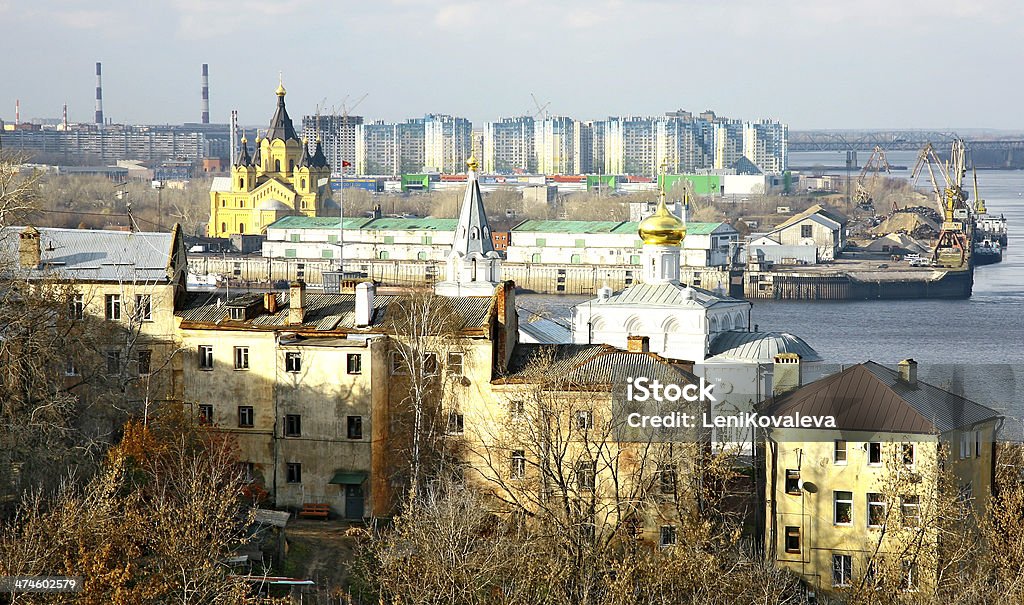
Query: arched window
column 303, row 183
column 476, row 233
column 421, row 256
column 241, row 183
column 223, row 227
column 384, row 255
column 291, row 165
column 241, row 227
column 277, row 165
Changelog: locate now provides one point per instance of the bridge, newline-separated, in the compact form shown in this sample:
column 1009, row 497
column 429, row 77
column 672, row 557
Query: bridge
column 898, row 140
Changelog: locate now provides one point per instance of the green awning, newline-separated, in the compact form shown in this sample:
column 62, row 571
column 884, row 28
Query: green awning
column 348, row 477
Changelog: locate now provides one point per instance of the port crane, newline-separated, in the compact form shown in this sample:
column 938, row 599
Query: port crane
column 953, row 248
column 876, row 163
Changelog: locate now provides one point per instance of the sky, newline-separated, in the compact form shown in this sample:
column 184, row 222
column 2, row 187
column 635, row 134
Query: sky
column 814, row 64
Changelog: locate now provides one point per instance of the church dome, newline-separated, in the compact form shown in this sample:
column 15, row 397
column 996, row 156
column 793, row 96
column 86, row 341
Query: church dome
column 662, row 228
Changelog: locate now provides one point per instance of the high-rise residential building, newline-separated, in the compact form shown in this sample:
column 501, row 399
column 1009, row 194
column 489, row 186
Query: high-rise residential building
column 447, row 142
column 553, row 141
column 728, row 142
column 508, row 145
column 583, row 146
column 631, row 145
column 337, row 134
column 765, row 145
column 684, row 144
column 389, row 149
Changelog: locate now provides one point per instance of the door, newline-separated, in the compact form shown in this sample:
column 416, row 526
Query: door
column 353, row 501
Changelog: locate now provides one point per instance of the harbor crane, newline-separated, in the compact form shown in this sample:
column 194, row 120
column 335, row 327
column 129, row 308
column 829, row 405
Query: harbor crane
column 953, row 248
column 876, row 163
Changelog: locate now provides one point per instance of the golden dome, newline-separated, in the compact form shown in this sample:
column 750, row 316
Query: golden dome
column 662, row 228
column 280, row 90
column 472, row 163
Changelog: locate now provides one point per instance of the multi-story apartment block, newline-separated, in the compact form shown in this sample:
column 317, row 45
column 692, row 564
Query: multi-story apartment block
column 583, row 146
column 728, row 143
column 765, row 144
column 376, row 149
column 554, row 141
column 860, row 503
column 508, row 146
column 337, row 134
column 447, row 142
column 684, row 145
column 631, row 145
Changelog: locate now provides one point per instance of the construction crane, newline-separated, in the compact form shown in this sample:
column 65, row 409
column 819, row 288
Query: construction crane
column 875, row 164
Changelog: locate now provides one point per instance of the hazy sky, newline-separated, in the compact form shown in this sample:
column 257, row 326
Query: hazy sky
column 812, row 63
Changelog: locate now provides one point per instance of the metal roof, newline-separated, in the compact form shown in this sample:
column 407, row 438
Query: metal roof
column 95, row 255
column 584, row 227
column 326, row 312
column 830, row 214
column 667, row 294
column 871, row 397
column 760, row 346
column 317, row 222
column 575, row 365
column 546, row 331
column 363, row 223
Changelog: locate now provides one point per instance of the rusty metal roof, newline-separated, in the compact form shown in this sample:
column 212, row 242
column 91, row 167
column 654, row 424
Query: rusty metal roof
column 583, row 365
column 871, row 397
column 326, row 312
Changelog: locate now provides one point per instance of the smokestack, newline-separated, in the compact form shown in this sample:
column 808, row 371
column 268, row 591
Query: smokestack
column 65, row 117
column 206, row 94
column 17, row 112
column 234, row 136
column 99, row 93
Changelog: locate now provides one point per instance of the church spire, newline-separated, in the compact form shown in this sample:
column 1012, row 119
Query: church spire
column 472, row 234
column 474, row 267
column 281, row 126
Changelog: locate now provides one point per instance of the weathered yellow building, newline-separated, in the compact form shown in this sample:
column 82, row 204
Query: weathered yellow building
column 848, row 505
column 280, row 179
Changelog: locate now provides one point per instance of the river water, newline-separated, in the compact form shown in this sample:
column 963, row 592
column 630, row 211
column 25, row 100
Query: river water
column 973, row 346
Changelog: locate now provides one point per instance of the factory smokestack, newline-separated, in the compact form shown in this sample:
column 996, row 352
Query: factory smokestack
column 17, row 112
column 206, row 94
column 99, row 94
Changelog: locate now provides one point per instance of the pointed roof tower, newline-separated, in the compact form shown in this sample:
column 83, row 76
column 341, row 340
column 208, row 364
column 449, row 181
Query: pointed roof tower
column 244, row 160
column 319, row 159
column 472, row 234
column 257, row 158
column 304, row 159
column 281, row 125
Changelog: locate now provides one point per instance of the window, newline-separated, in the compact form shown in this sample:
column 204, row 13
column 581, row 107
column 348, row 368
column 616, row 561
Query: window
column 586, row 475
column 293, row 361
column 70, row 369
column 584, row 419
column 667, row 536
column 249, row 472
column 667, row 479
column 516, row 409
column 397, row 364
column 874, row 453
column 143, row 307
column 908, row 454
column 113, row 362
column 876, row 510
column 292, row 425
column 806, row 231
column 842, row 570
column 236, row 313
column 145, row 358
column 966, row 498
column 76, row 307
column 354, row 363
column 456, row 423
column 843, row 507
column 245, row 416
column 355, row 427
column 205, row 413
column 793, row 481
column 241, row 358
column 793, row 539
column 205, row 357
column 430, row 364
column 965, row 445
column 518, row 470
column 910, row 509
column 839, row 452
column 113, row 307
column 294, row 472
column 456, row 362
column 977, row 443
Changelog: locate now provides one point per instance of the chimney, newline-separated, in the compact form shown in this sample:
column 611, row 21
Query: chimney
column 365, row 295
column 296, row 302
column 908, row 372
column 29, row 251
column 604, row 293
column 206, row 93
column 270, row 302
column 787, row 374
column 638, row 344
column 99, row 94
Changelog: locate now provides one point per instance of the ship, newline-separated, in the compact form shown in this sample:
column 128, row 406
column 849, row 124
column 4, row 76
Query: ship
column 987, row 252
